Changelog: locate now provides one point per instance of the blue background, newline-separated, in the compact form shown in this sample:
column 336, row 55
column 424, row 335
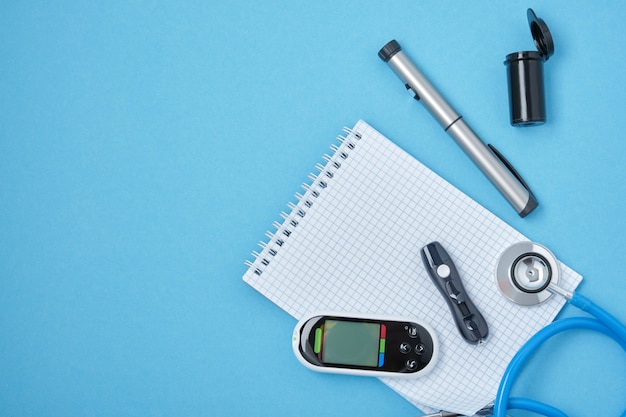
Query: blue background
column 146, row 147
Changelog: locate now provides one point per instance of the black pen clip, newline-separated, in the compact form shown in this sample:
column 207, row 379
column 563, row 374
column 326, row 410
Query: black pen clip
column 509, row 167
column 532, row 201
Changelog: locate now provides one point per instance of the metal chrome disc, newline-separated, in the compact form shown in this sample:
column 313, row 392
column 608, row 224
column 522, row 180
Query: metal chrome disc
column 524, row 272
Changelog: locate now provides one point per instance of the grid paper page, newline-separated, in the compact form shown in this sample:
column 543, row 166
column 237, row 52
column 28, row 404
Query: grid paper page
column 352, row 242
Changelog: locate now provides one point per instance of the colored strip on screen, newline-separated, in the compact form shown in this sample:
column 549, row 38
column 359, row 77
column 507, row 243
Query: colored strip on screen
column 383, row 341
column 318, row 340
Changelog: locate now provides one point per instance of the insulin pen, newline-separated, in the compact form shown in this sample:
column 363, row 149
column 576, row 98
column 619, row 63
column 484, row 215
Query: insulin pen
column 495, row 167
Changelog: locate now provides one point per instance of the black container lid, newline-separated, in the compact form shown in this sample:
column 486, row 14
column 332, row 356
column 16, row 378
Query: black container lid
column 541, row 34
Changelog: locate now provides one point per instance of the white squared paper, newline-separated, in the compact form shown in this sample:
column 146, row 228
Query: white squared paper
column 352, row 244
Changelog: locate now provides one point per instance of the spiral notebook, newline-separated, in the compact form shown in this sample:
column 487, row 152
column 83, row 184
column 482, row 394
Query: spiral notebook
column 351, row 242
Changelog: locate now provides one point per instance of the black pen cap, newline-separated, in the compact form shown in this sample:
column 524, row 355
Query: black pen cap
column 525, row 76
column 390, row 49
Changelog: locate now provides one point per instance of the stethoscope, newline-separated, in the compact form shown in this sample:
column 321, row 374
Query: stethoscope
column 528, row 274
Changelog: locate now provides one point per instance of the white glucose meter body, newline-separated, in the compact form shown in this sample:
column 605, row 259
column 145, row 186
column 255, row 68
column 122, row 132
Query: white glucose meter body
column 365, row 344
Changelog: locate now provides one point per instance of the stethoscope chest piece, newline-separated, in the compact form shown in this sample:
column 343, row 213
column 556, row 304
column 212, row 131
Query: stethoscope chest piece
column 524, row 272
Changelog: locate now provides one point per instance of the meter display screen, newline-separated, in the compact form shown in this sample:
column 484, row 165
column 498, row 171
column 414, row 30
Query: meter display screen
column 351, row 343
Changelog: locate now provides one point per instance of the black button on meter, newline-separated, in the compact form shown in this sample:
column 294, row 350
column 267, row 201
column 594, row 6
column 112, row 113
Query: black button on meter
column 525, row 76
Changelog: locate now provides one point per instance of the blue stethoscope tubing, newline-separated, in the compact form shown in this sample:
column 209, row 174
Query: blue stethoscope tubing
column 602, row 322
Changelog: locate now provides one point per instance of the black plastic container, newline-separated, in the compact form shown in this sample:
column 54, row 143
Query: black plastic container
column 527, row 102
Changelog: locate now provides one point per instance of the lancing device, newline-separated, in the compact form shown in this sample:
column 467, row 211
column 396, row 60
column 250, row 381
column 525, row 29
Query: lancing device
column 499, row 171
column 446, row 278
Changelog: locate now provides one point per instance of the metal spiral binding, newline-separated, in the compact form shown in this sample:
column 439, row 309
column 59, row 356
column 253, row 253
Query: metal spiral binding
column 298, row 211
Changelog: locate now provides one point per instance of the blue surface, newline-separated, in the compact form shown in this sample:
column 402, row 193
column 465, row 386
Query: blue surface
column 145, row 148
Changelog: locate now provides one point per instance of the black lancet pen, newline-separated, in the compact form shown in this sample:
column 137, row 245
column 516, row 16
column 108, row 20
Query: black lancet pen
column 495, row 167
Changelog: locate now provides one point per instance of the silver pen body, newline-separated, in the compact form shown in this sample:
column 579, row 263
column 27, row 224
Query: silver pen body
column 501, row 174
